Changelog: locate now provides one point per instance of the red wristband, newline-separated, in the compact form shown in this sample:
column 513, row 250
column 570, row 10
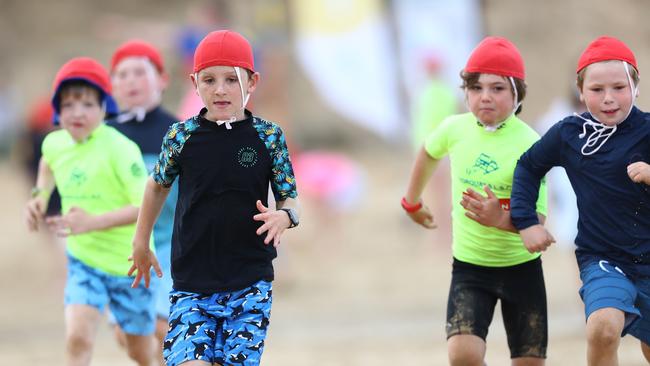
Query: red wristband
column 409, row 207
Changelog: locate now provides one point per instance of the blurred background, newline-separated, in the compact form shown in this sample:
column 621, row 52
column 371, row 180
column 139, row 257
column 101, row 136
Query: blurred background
column 355, row 84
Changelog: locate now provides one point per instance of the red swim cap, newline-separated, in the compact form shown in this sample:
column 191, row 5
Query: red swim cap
column 138, row 48
column 496, row 55
column 606, row 48
column 223, row 48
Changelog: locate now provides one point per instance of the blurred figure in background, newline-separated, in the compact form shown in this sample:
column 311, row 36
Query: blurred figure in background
column 139, row 79
column 436, row 102
column 100, row 175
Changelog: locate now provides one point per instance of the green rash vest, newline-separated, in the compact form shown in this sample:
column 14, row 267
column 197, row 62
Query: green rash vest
column 101, row 174
column 479, row 158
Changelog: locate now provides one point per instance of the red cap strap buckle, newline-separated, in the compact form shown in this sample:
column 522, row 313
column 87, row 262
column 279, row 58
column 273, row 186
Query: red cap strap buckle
column 409, row 207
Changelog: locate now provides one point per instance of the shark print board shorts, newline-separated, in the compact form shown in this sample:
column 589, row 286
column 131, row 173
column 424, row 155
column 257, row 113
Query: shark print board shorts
column 226, row 328
column 132, row 308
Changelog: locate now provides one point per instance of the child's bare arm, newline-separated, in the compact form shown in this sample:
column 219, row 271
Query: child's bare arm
column 422, row 170
column 143, row 258
column 487, row 210
column 78, row 221
column 639, row 172
column 275, row 221
column 36, row 206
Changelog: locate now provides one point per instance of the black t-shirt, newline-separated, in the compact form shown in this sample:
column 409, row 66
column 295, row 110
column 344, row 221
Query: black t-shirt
column 222, row 172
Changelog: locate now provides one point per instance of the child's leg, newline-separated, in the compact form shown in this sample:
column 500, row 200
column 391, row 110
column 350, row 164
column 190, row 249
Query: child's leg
column 523, row 305
column 609, row 297
column 604, row 328
column 81, row 323
column 134, row 314
column 470, row 308
column 466, row 349
column 141, row 348
column 645, row 348
column 85, row 296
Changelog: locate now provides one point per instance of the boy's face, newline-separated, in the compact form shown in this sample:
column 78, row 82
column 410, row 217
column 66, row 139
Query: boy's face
column 219, row 90
column 606, row 92
column 80, row 113
column 490, row 99
column 137, row 83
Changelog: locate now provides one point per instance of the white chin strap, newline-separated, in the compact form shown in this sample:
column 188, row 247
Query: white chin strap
column 136, row 113
column 233, row 119
column 601, row 131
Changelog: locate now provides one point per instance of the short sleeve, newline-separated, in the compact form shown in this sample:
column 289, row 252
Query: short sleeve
column 283, row 181
column 437, row 142
column 167, row 168
column 47, row 148
column 131, row 170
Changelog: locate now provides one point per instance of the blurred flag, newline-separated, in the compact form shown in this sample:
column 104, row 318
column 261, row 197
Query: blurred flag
column 343, row 47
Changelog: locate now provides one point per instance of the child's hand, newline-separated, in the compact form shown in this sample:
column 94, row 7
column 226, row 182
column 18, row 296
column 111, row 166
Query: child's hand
column 486, row 211
column 423, row 217
column 143, row 259
column 536, row 238
column 76, row 221
column 639, row 172
column 34, row 212
column 275, row 222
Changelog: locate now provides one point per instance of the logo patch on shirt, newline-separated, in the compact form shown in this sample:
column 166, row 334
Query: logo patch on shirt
column 505, row 203
column 77, row 177
column 485, row 164
column 136, row 170
column 247, row 157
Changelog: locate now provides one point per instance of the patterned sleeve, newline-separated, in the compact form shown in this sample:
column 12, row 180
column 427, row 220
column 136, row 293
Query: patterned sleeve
column 167, row 167
column 283, row 182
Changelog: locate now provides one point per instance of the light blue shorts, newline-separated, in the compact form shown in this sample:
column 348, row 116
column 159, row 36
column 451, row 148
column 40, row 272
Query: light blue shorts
column 606, row 285
column 227, row 328
column 163, row 254
column 132, row 308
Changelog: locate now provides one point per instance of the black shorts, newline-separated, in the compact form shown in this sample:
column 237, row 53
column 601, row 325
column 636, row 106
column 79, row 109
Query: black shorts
column 474, row 292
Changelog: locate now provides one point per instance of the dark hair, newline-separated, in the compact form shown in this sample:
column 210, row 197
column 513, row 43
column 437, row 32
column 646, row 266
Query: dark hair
column 76, row 88
column 471, row 78
column 580, row 80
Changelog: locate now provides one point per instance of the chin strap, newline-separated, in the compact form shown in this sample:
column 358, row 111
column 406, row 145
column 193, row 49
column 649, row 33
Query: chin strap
column 233, row 119
column 601, row 130
column 136, row 113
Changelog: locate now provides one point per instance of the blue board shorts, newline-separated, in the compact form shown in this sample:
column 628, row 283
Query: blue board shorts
column 606, row 285
column 132, row 308
column 225, row 327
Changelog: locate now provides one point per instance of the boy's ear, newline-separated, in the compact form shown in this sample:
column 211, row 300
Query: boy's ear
column 194, row 81
column 580, row 96
column 253, row 80
column 164, row 81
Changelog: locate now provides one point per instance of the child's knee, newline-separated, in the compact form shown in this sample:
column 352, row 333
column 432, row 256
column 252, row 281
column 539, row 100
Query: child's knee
column 140, row 348
column 604, row 327
column 78, row 342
